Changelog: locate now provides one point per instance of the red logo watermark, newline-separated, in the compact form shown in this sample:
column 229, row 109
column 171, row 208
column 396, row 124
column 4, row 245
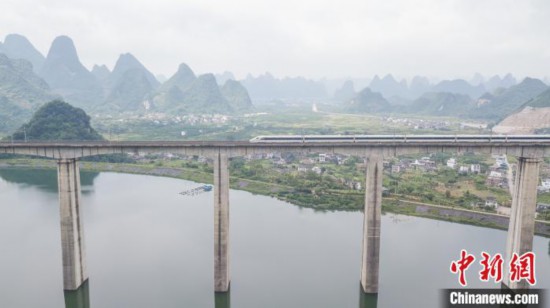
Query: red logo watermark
column 520, row 267
column 462, row 265
column 491, row 267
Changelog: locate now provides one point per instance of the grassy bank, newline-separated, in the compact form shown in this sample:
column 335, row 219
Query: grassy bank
column 333, row 201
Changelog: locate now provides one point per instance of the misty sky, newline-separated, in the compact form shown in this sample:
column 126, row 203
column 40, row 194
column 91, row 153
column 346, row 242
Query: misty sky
column 313, row 38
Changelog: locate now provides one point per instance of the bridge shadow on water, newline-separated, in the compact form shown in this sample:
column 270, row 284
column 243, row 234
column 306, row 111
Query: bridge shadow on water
column 367, row 300
column 43, row 179
column 79, row 298
column 222, row 299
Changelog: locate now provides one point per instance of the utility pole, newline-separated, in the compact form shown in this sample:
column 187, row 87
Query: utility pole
column 25, row 133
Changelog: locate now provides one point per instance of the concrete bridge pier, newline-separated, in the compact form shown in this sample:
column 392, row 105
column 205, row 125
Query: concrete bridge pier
column 371, row 225
column 72, row 233
column 221, row 223
column 522, row 217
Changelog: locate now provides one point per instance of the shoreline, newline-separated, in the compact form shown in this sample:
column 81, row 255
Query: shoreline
column 389, row 204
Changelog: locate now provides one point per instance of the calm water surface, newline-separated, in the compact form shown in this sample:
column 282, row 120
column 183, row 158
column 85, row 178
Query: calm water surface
column 147, row 246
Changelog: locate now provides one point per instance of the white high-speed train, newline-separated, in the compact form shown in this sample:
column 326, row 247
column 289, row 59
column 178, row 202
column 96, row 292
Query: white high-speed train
column 401, row 138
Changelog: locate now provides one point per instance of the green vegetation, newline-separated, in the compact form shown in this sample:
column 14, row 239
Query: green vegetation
column 128, row 93
column 293, row 121
column 21, row 92
column 57, row 120
column 367, row 101
column 237, row 96
column 442, row 104
column 509, row 100
column 544, row 198
column 542, row 100
column 183, row 94
column 398, row 207
column 320, row 192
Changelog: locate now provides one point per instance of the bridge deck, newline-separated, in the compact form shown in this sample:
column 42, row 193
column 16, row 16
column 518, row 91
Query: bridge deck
column 526, row 146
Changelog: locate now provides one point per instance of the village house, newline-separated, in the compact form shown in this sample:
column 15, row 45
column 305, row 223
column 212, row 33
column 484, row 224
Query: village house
column 543, row 207
column 317, row 170
column 500, row 160
column 545, row 185
column 254, row 156
column 497, row 179
column 424, row 164
column 451, row 163
column 202, row 159
column 395, row 168
column 417, row 163
column 491, row 202
column 307, row 160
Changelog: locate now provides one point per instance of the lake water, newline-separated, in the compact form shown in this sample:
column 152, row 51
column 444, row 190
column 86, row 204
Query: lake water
column 147, row 246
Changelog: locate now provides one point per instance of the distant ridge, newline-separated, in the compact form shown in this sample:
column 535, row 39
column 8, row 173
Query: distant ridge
column 237, row 96
column 507, row 101
column 388, row 86
column 16, row 46
column 128, row 87
column 184, row 92
column 182, row 79
column 442, row 104
column 65, row 74
column 266, row 88
column 205, row 95
column 131, row 87
column 367, row 101
column 459, row 86
column 21, row 92
column 131, row 92
column 127, row 62
column 101, row 73
column 346, row 92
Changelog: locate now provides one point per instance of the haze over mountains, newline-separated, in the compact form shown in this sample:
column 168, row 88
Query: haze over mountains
column 28, row 80
column 16, row 46
column 21, row 91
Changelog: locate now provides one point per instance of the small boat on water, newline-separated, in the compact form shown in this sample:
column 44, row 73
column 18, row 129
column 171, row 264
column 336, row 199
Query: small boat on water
column 197, row 190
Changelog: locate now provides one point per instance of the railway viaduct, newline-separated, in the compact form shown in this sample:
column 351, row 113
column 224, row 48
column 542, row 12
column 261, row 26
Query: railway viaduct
column 520, row 232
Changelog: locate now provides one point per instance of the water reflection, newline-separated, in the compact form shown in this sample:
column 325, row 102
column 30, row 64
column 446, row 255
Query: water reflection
column 45, row 179
column 150, row 247
column 79, row 298
column 222, row 299
column 367, row 300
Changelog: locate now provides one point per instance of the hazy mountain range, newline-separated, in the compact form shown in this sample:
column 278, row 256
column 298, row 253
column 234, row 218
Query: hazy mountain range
column 21, row 92
column 451, row 99
column 28, row 80
column 266, row 87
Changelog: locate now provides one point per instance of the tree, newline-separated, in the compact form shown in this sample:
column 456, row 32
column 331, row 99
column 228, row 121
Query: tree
column 58, row 120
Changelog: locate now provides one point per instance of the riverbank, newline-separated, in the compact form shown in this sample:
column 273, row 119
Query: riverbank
column 458, row 215
column 286, row 193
